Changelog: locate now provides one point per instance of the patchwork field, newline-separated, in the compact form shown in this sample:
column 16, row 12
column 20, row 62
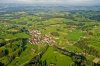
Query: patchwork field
column 69, row 38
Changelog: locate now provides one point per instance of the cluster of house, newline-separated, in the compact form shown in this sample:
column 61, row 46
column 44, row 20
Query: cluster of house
column 52, row 65
column 37, row 37
column 48, row 39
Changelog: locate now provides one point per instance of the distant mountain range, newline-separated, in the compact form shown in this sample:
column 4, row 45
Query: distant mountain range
column 46, row 7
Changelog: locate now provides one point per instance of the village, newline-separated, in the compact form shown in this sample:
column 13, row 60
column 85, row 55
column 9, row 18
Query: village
column 37, row 37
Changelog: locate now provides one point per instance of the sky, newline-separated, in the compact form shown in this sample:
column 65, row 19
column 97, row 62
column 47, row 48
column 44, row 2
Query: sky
column 67, row 2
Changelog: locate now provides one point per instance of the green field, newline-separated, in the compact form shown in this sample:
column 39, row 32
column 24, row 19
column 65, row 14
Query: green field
column 60, row 38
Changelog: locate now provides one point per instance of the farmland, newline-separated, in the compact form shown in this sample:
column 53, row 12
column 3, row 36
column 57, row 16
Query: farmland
column 50, row 38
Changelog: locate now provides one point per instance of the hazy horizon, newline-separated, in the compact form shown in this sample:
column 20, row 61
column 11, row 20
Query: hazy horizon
column 65, row 2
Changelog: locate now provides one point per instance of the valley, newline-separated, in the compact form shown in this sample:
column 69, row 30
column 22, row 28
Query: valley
column 50, row 38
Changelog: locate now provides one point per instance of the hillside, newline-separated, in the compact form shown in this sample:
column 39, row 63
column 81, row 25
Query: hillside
column 50, row 38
